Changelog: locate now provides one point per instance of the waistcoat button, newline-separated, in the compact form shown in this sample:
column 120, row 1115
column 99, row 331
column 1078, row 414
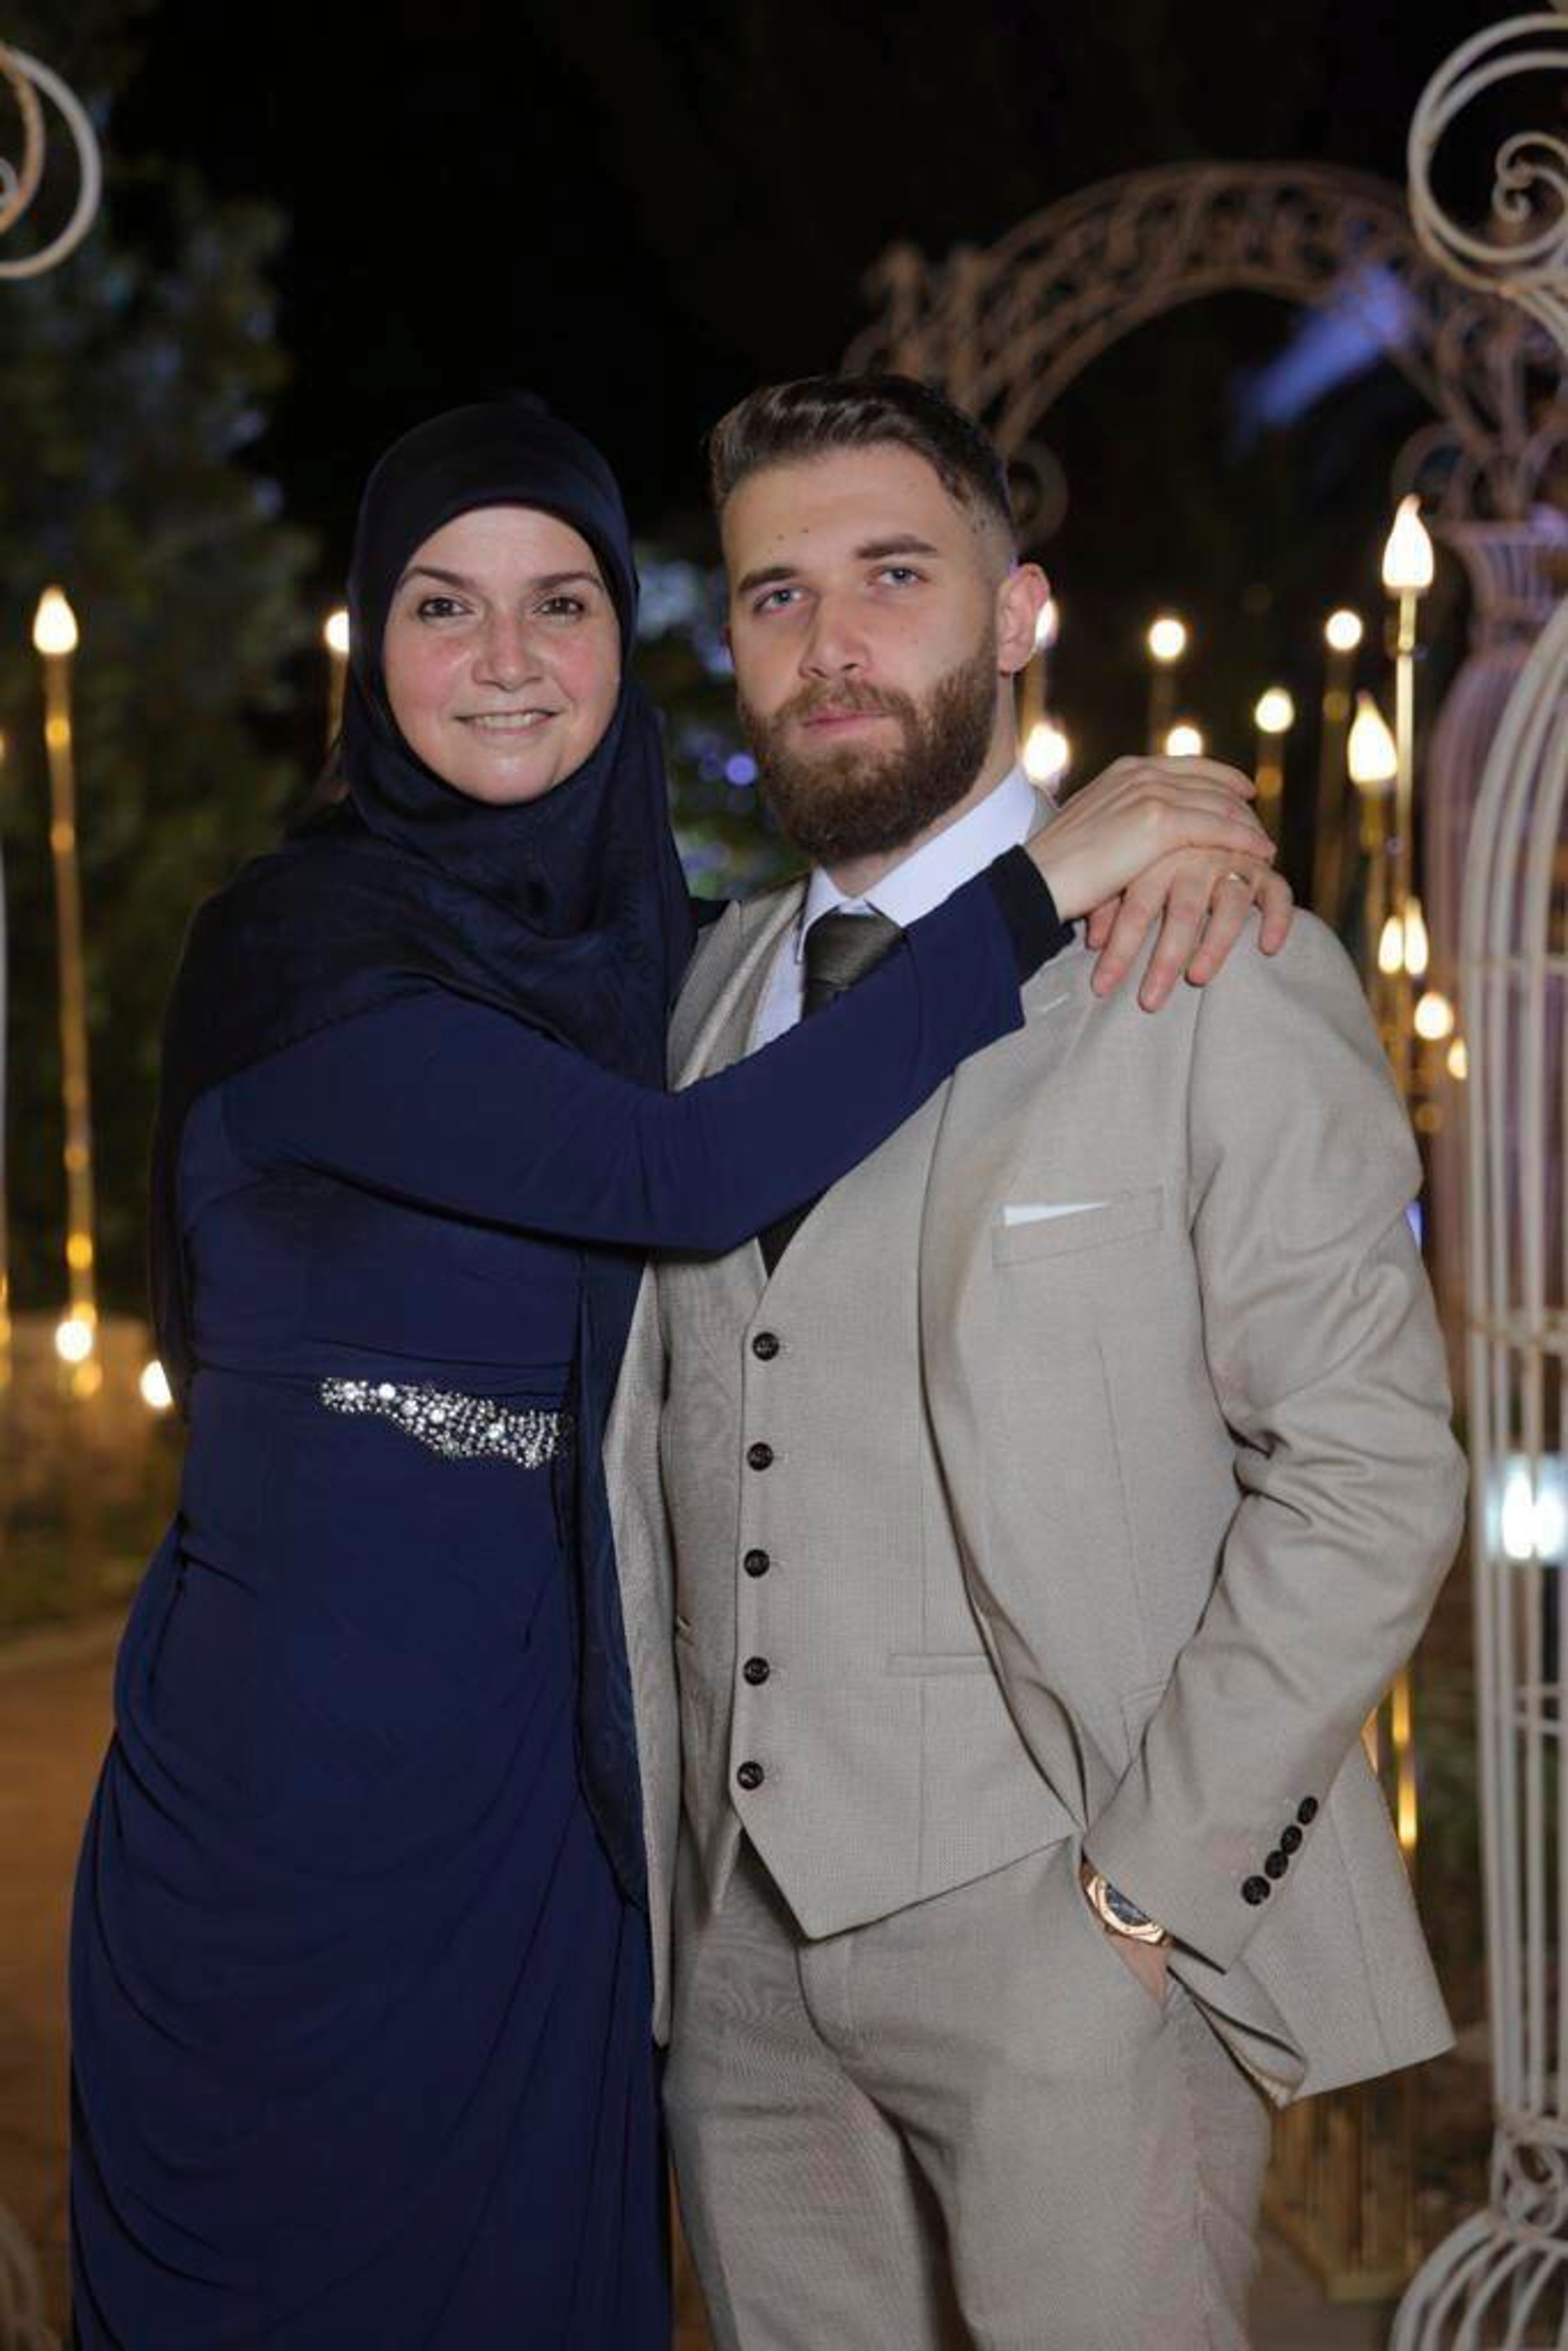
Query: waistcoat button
column 750, row 1775
column 759, row 1456
column 756, row 1562
column 756, row 1670
column 765, row 1346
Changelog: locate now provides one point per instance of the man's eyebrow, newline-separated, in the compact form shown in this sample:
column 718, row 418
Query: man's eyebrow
column 547, row 581
column 768, row 577
column 878, row 551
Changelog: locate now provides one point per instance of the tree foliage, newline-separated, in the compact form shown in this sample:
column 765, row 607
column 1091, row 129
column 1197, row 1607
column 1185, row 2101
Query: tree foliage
column 132, row 381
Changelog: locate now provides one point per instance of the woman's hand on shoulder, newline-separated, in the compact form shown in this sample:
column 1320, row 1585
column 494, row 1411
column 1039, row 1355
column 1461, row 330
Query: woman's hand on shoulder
column 1169, row 842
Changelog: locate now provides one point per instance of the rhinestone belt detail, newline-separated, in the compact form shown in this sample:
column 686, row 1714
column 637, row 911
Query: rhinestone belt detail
column 459, row 1427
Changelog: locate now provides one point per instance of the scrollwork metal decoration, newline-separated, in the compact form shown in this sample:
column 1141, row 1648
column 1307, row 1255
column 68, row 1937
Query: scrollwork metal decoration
column 1525, row 258
column 1500, row 2281
column 1007, row 331
column 28, row 83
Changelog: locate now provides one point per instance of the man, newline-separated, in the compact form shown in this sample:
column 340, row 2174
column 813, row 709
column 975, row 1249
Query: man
column 1040, row 1519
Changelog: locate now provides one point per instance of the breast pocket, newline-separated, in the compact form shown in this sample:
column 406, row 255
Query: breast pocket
column 1032, row 1229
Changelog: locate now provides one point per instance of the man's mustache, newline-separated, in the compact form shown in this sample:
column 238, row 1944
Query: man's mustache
column 863, row 701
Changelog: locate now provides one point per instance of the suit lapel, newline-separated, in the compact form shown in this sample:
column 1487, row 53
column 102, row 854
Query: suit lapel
column 708, row 1036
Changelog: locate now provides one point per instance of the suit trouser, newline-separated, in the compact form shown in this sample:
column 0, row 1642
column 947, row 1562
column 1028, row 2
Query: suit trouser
column 965, row 2123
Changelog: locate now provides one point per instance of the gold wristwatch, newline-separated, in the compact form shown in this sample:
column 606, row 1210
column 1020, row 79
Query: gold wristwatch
column 1113, row 1911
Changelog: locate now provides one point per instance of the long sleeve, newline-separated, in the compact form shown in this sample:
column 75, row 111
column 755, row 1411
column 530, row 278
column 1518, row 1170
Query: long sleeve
column 1325, row 1354
column 456, row 1106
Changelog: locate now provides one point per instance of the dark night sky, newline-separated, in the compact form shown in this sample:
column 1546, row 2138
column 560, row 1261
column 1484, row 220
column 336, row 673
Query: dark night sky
column 642, row 212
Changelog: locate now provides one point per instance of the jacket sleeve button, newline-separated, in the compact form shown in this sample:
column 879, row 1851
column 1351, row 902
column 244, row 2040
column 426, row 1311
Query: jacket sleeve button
column 1290, row 1839
column 1255, row 1890
column 1306, row 1811
column 1276, row 1865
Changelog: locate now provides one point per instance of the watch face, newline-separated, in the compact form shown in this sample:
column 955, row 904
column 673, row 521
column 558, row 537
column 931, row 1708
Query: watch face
column 1127, row 1913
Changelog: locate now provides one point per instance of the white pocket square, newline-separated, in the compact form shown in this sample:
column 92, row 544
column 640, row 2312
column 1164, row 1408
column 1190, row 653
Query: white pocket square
column 1040, row 1212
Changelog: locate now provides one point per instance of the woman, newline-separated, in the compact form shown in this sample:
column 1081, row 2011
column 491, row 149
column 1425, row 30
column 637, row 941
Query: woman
column 359, row 1982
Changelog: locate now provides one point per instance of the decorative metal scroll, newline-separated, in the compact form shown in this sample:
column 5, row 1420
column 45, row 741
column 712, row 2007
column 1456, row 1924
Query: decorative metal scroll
column 1007, row 331
column 24, row 84
column 1500, row 2281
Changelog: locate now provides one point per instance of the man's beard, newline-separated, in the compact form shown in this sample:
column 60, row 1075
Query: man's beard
column 840, row 805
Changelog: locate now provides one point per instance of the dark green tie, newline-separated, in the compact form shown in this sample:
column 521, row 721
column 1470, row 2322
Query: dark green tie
column 840, row 949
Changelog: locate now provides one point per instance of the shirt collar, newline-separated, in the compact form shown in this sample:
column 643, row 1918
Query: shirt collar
column 1002, row 821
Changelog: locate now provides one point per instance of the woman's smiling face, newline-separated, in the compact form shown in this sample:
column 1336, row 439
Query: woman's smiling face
column 502, row 652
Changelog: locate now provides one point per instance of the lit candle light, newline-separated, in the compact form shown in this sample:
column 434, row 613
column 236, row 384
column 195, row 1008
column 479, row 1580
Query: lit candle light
column 1342, row 633
column 1273, row 714
column 56, row 637
column 335, row 636
column 1407, row 573
column 1167, row 640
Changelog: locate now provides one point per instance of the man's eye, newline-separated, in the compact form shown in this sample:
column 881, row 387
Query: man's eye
column 900, row 574
column 773, row 601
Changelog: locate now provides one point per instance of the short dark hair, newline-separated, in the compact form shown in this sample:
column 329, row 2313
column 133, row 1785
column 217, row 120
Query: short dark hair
column 786, row 422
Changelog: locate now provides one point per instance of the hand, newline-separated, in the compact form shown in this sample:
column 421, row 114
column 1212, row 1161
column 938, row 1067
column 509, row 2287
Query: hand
column 1148, row 1962
column 1206, row 897
column 1137, row 813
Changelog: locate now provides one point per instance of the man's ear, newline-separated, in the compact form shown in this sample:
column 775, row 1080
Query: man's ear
column 1021, row 596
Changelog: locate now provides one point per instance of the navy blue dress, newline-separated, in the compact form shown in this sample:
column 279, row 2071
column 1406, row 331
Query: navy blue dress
column 362, row 2057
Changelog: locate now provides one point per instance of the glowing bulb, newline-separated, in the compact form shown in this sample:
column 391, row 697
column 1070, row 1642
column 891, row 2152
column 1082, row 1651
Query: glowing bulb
column 1047, row 753
column 1391, row 947
column 1434, row 1018
column 156, row 1392
column 336, row 634
column 1184, row 741
column 1372, row 752
column 1047, row 625
column 55, row 627
column 1459, row 1060
column 1275, row 713
column 1533, row 1517
column 1407, row 555
column 1344, row 630
column 73, row 1339
column 1166, row 638
column 1417, row 947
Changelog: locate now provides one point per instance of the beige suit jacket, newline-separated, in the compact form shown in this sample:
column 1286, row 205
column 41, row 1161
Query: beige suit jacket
column 1187, row 1401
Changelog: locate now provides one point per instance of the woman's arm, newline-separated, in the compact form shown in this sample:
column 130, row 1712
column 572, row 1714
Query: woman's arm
column 461, row 1108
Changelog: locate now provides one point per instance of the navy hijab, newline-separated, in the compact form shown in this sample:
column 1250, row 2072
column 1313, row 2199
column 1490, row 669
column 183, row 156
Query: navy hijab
column 570, row 912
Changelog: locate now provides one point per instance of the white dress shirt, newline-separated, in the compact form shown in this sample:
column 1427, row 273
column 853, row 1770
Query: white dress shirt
column 1002, row 821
